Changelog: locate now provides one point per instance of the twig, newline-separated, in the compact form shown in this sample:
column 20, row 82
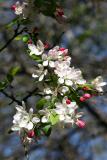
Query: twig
column 11, row 39
column 11, row 97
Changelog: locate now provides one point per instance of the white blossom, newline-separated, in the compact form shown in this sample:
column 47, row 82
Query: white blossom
column 67, row 74
column 66, row 111
column 47, row 90
column 19, row 8
column 36, row 50
column 46, row 115
column 54, row 55
column 40, row 72
column 63, row 90
column 98, row 83
column 47, row 61
column 24, row 119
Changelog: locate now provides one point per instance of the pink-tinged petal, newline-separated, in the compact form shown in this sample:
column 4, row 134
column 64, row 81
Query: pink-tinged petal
column 80, row 123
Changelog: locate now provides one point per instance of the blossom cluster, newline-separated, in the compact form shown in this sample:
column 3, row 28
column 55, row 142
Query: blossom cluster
column 24, row 10
column 59, row 83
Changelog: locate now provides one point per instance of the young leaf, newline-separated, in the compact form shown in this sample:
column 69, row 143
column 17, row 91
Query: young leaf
column 47, row 129
column 40, row 104
column 54, row 118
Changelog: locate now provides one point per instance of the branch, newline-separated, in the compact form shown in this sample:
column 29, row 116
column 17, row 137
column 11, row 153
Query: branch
column 12, row 38
column 11, row 97
column 35, row 90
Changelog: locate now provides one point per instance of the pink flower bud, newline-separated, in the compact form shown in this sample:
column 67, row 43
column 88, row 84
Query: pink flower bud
column 46, row 45
column 61, row 49
column 80, row 123
column 82, row 99
column 31, row 134
column 87, row 96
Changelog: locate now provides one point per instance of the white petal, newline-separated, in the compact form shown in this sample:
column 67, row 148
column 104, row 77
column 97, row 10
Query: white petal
column 23, row 124
column 19, row 108
column 102, row 84
column 47, row 91
column 35, row 120
column 52, row 64
column 41, row 77
column 34, row 75
column 31, row 111
column 45, row 63
column 29, row 126
column 45, row 72
column 59, row 111
column 47, row 97
column 42, row 112
column 44, row 119
column 40, row 46
column 61, row 80
column 68, row 82
column 81, row 81
column 15, row 128
column 64, row 89
column 61, row 117
column 17, row 117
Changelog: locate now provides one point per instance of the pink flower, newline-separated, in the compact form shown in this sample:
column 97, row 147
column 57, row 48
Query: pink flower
column 80, row 123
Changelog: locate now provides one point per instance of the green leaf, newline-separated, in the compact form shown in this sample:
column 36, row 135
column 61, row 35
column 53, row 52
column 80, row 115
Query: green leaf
column 37, row 132
column 14, row 70
column 40, row 104
column 3, row 85
column 36, row 58
column 54, row 118
column 47, row 129
column 18, row 38
column 12, row 23
column 9, row 78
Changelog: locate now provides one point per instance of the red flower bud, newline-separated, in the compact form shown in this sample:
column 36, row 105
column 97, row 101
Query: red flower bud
column 13, row 7
column 80, row 123
column 68, row 101
column 60, row 12
column 31, row 134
